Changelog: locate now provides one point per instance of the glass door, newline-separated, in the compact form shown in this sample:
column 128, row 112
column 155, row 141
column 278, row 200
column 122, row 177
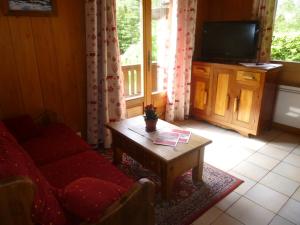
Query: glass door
column 130, row 34
column 160, row 35
column 140, row 25
column 160, row 25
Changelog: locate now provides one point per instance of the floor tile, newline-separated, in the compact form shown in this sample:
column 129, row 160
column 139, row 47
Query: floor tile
column 250, row 213
column 266, row 197
column 253, row 143
column 291, row 211
column 296, row 195
column 297, row 151
column 226, row 202
column 278, row 220
column 226, row 219
column 293, row 159
column 233, row 137
column 251, row 171
column 245, row 186
column 207, row 218
column 273, row 152
column 226, row 158
column 280, row 183
column 286, row 142
column 263, row 161
column 288, row 171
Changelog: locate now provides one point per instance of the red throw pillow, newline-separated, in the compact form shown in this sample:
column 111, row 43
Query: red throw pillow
column 88, row 197
column 22, row 127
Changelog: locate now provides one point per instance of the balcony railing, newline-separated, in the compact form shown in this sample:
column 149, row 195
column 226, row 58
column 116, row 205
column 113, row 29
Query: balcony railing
column 133, row 80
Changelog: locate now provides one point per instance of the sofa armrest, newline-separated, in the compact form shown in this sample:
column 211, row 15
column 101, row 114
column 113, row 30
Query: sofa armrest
column 136, row 207
column 16, row 198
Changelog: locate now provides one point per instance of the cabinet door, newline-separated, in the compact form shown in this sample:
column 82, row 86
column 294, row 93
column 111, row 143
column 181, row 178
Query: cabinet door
column 221, row 97
column 200, row 95
column 245, row 106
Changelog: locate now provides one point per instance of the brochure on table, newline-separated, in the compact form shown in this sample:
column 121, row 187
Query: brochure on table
column 167, row 136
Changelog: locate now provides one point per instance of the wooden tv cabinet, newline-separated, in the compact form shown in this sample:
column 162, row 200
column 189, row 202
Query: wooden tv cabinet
column 234, row 96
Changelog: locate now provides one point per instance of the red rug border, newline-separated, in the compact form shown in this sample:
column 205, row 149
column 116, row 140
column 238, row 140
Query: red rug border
column 215, row 201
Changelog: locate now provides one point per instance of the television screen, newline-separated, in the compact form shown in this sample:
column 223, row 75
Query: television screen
column 230, row 41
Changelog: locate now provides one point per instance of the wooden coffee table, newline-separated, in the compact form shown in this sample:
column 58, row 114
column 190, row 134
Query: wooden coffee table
column 129, row 136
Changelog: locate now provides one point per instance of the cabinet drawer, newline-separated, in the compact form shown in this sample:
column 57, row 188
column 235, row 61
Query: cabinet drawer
column 202, row 71
column 248, row 77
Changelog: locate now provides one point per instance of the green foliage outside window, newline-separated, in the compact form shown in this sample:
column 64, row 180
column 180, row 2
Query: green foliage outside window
column 128, row 23
column 286, row 35
column 130, row 31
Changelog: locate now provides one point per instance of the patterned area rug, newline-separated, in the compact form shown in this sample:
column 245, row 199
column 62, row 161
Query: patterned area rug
column 189, row 201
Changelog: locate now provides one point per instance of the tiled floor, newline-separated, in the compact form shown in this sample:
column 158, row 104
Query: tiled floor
column 270, row 167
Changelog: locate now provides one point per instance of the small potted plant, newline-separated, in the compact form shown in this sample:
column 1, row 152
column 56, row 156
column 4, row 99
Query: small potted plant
column 150, row 118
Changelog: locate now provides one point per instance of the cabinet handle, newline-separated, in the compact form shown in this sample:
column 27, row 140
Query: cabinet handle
column 228, row 101
column 205, row 98
column 248, row 77
column 235, row 104
column 201, row 69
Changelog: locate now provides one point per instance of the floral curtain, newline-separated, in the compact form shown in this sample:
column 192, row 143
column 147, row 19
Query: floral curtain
column 105, row 94
column 175, row 59
column 264, row 11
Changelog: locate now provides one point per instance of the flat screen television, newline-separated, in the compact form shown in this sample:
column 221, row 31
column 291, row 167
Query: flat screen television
column 232, row 41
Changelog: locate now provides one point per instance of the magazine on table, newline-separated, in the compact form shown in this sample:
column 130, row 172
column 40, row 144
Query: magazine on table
column 166, row 138
column 184, row 135
column 172, row 137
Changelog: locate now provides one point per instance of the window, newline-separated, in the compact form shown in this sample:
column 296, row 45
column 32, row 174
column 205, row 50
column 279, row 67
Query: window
column 286, row 34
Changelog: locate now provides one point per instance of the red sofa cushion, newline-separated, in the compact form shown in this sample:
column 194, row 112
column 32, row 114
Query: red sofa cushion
column 85, row 164
column 14, row 161
column 22, row 127
column 55, row 142
column 88, row 197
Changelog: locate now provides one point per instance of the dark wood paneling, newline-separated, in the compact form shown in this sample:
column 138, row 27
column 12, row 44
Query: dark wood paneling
column 9, row 82
column 219, row 10
column 42, row 64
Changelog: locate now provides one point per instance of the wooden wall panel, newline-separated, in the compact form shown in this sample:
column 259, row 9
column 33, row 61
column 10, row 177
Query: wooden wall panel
column 26, row 65
column 47, row 63
column 42, row 64
column 219, row 10
column 202, row 11
column 9, row 82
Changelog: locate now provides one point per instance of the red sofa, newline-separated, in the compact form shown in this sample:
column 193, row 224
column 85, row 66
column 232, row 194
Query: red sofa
column 49, row 175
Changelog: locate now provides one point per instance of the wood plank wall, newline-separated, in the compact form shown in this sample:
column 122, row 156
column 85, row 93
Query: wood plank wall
column 219, row 10
column 42, row 64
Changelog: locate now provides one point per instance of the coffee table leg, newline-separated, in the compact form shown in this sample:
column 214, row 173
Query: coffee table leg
column 197, row 171
column 117, row 153
column 166, row 184
column 117, row 156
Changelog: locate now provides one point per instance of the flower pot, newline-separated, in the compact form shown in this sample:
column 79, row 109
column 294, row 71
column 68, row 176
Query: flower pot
column 151, row 125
